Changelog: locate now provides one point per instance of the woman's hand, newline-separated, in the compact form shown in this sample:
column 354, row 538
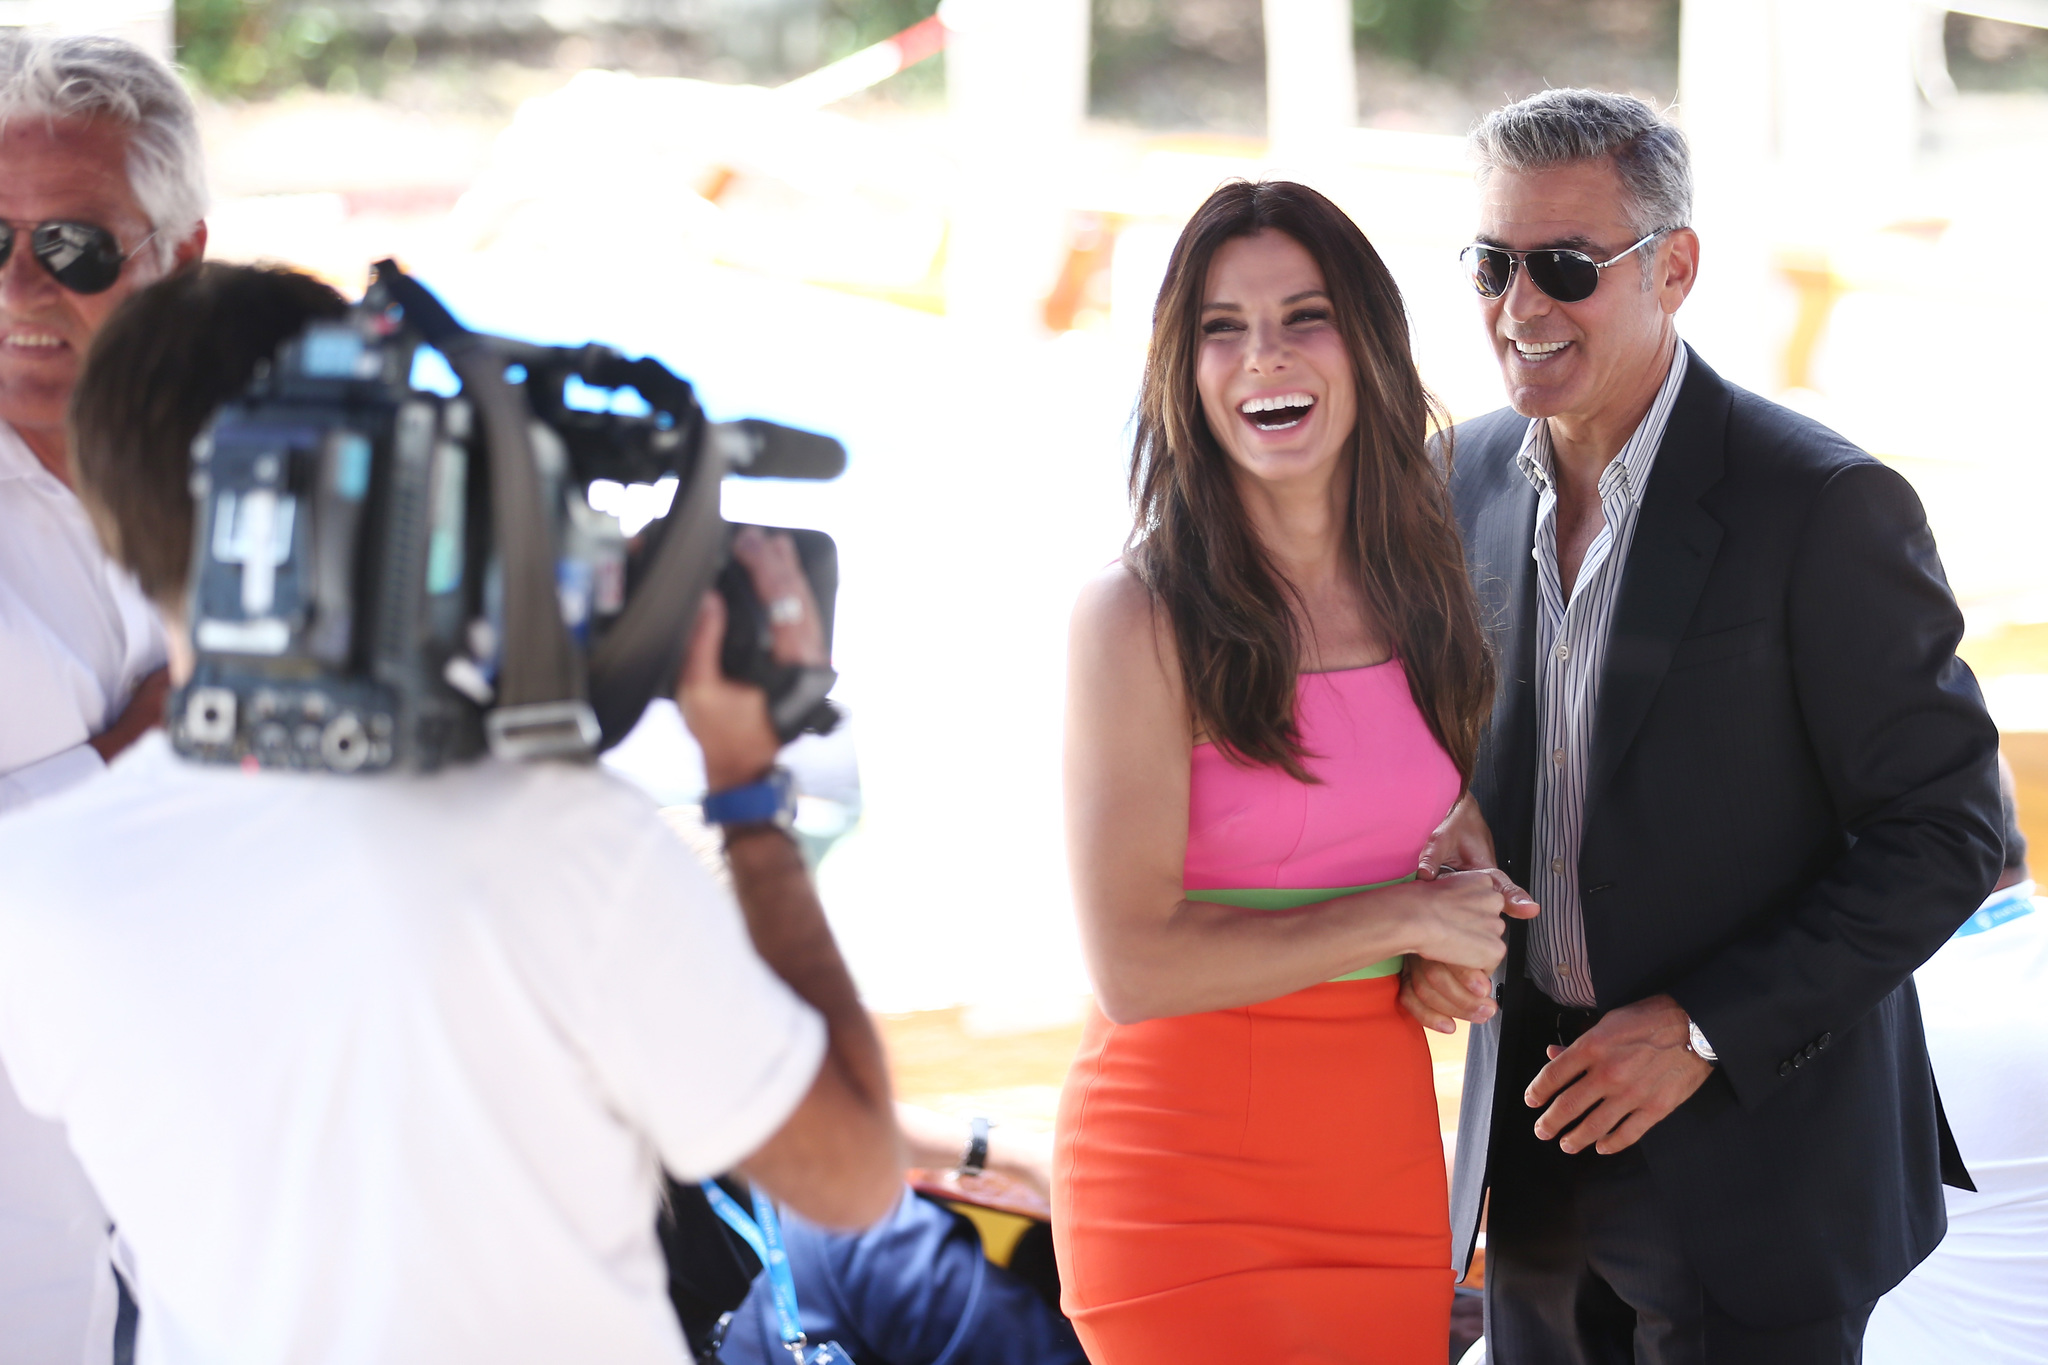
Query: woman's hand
column 1441, row 992
column 1461, row 843
column 1458, row 916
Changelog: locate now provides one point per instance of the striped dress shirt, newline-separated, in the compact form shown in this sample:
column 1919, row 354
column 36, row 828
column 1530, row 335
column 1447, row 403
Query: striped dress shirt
column 1571, row 644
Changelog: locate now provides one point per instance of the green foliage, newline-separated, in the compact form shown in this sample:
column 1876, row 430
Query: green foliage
column 1430, row 34
column 1985, row 54
column 850, row 25
column 245, row 48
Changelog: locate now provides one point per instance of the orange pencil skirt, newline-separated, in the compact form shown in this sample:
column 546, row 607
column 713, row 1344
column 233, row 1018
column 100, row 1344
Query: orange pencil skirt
column 1256, row 1185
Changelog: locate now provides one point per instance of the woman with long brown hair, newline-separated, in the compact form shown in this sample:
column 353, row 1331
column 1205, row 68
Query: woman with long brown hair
column 1274, row 699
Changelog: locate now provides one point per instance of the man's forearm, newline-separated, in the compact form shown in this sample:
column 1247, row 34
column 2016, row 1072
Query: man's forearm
column 788, row 928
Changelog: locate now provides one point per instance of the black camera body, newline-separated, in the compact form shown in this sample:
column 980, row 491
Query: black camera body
column 387, row 578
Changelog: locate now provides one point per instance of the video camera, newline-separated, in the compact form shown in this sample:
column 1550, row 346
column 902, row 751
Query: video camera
column 387, row 578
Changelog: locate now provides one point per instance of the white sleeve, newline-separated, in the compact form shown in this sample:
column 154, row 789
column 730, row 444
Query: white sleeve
column 705, row 1049
column 47, row 776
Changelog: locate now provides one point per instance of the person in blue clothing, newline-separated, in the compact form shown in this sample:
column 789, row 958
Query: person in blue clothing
column 915, row 1289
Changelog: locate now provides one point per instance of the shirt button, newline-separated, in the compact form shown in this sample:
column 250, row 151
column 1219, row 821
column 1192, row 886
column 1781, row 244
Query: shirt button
column 1564, row 651
column 1557, row 866
column 1557, row 757
column 1564, row 969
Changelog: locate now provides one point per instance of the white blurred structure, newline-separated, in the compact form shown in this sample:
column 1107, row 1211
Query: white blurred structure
column 1801, row 112
column 1017, row 83
column 1311, row 73
column 146, row 23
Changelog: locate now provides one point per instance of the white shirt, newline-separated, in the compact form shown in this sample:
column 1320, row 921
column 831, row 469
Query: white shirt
column 76, row 634
column 383, row 1069
column 1571, row 651
column 1982, row 1297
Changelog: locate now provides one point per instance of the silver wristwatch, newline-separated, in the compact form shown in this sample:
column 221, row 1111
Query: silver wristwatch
column 1696, row 1043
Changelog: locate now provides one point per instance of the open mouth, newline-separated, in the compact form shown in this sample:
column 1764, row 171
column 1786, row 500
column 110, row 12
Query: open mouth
column 1537, row 351
column 1278, row 412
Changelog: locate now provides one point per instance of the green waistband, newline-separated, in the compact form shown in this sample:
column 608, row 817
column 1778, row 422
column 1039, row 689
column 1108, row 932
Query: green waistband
column 1293, row 897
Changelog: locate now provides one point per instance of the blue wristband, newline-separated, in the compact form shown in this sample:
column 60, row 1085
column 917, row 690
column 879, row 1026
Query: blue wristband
column 771, row 801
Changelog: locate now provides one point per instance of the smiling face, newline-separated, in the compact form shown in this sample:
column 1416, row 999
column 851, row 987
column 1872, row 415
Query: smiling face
column 70, row 170
column 1586, row 361
column 1273, row 372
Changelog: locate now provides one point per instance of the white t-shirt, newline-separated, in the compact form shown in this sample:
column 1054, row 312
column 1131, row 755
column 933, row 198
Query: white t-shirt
column 75, row 637
column 76, row 634
column 1982, row 1297
column 382, row 1069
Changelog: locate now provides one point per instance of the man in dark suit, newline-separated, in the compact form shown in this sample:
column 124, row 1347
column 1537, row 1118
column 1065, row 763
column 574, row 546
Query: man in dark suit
column 1735, row 759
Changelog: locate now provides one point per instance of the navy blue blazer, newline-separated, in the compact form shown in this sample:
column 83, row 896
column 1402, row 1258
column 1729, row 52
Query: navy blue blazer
column 1793, row 802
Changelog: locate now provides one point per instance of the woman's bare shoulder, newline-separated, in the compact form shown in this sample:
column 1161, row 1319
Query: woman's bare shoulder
column 1122, row 635
column 1116, row 614
column 1114, row 599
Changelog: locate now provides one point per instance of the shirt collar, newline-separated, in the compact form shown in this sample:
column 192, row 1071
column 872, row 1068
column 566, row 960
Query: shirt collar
column 1630, row 470
column 17, row 461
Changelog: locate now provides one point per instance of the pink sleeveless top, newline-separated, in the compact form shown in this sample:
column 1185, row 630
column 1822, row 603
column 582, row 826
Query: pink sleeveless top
column 1385, row 784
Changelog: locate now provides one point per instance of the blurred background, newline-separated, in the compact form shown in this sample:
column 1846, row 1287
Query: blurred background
column 936, row 232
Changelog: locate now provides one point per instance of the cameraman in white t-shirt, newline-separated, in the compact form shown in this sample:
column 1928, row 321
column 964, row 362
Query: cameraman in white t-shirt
column 386, row 1069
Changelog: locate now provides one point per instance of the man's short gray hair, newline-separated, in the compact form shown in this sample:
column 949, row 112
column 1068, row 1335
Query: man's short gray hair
column 1561, row 126
column 48, row 77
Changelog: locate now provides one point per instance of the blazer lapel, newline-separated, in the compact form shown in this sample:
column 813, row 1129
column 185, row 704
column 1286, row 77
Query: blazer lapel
column 1668, row 563
column 1503, row 531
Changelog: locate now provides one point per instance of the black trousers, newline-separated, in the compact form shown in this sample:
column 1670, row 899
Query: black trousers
column 1583, row 1264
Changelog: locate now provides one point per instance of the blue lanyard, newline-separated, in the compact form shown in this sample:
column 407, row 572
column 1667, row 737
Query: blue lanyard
column 763, row 1233
column 2017, row 900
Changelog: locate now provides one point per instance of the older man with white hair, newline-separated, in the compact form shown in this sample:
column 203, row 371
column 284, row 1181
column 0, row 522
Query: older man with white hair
column 101, row 191
column 1734, row 757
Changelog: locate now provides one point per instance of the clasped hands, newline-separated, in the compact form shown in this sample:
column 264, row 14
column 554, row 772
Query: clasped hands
column 1609, row 1087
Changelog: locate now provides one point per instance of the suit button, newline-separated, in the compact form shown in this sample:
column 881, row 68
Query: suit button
column 1784, row 1068
column 1799, row 1059
column 1825, row 1039
column 1811, row 1048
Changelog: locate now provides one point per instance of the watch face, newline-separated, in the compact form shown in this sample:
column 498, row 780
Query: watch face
column 1697, row 1041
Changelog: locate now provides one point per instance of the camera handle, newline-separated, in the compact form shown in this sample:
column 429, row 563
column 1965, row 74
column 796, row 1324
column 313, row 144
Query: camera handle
column 543, row 706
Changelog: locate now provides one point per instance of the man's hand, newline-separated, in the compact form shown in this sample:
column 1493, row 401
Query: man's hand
column 1437, row 993
column 730, row 719
column 1620, row 1079
column 1460, row 844
column 144, row 712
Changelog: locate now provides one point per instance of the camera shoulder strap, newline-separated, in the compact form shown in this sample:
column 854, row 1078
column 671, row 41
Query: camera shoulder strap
column 543, row 708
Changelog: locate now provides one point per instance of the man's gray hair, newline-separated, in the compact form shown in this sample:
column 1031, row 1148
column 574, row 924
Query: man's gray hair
column 50, row 78
column 1560, row 126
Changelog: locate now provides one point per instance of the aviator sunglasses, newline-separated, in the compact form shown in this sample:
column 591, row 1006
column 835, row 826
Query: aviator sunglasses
column 1567, row 276
column 83, row 257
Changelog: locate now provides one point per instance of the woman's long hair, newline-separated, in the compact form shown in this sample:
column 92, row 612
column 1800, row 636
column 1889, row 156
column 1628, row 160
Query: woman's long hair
column 1235, row 619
